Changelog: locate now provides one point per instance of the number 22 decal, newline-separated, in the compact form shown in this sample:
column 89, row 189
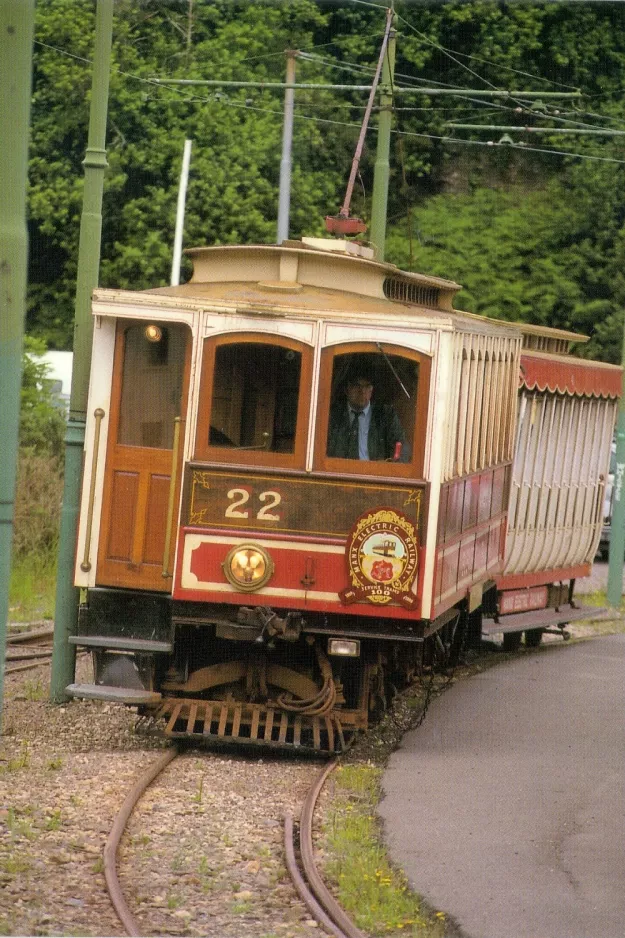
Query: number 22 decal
column 240, row 497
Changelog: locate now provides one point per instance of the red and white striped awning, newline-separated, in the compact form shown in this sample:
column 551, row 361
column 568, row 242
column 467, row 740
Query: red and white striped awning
column 565, row 374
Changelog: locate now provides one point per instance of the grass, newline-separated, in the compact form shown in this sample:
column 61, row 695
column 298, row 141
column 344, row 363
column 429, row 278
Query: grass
column 35, row 690
column 371, row 890
column 607, row 626
column 33, row 587
column 22, row 761
column 54, row 821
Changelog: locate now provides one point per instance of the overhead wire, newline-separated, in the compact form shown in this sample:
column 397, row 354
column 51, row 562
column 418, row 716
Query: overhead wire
column 224, row 100
column 414, row 81
column 481, row 78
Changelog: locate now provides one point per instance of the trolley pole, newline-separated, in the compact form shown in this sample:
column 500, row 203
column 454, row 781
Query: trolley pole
column 381, row 174
column 66, row 607
column 617, row 523
column 17, row 18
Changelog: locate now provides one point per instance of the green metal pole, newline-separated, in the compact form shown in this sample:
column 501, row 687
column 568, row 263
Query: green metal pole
column 617, row 523
column 66, row 608
column 382, row 167
column 17, row 18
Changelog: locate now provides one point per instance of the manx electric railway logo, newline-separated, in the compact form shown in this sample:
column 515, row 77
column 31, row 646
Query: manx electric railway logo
column 382, row 555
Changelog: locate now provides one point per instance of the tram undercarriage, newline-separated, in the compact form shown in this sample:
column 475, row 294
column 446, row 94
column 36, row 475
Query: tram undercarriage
column 251, row 677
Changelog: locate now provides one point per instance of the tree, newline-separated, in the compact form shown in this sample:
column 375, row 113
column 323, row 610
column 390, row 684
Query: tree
column 42, row 422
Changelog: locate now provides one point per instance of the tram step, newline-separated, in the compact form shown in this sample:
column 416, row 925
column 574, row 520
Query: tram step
column 541, row 618
column 125, row 695
column 252, row 724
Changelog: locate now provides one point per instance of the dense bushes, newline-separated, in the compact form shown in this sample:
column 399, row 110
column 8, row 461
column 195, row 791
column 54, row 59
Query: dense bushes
column 37, row 504
column 40, row 465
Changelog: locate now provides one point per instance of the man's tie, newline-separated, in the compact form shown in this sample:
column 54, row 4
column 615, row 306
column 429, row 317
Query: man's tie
column 352, row 445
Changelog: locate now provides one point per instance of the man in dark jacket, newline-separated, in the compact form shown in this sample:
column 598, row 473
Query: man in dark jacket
column 360, row 429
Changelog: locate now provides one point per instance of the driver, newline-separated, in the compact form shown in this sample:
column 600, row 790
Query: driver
column 363, row 429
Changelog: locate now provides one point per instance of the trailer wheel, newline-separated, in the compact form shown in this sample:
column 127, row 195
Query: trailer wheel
column 512, row 641
column 533, row 637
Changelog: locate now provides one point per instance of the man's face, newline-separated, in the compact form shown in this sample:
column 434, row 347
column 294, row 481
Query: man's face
column 359, row 393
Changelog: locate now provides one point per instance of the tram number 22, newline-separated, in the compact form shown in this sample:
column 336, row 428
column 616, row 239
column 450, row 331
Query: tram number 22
column 240, row 497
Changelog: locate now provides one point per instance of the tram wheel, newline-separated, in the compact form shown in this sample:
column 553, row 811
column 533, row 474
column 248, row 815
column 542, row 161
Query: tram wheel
column 512, row 641
column 533, row 637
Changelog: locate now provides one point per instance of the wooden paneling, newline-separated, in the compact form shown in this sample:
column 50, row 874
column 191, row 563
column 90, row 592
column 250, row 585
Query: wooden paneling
column 287, row 504
column 156, row 517
column 125, row 488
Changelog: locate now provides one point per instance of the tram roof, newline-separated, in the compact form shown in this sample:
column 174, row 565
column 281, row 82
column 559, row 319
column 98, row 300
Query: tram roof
column 298, row 277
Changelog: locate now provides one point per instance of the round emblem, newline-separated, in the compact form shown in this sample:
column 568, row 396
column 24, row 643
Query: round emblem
column 382, row 556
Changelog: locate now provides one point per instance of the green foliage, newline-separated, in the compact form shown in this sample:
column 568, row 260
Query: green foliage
column 42, row 423
column 550, row 256
column 530, row 235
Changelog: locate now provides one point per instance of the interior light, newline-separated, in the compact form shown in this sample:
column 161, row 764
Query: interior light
column 248, row 567
column 153, row 333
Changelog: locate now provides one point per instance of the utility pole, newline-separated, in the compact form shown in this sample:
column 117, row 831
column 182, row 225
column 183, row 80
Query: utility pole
column 381, row 173
column 180, row 209
column 17, row 18
column 66, row 607
column 284, row 198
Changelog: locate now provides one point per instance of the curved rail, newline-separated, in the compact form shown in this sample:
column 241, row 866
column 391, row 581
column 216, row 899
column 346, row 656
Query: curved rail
column 110, row 850
column 322, row 904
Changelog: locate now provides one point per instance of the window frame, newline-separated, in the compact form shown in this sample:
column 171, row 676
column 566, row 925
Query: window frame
column 207, row 452
column 412, row 469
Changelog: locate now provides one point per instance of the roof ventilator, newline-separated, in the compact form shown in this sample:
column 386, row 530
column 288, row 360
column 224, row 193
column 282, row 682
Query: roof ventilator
column 408, row 292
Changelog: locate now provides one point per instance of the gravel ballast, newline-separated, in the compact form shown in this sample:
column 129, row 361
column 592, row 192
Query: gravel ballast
column 203, row 851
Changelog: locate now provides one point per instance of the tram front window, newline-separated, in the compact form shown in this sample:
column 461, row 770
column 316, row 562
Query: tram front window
column 255, row 397
column 372, row 410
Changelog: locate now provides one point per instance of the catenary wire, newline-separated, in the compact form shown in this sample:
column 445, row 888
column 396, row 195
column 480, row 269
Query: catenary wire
column 222, row 100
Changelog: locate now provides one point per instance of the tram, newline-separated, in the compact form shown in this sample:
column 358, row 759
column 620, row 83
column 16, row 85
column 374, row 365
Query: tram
column 243, row 577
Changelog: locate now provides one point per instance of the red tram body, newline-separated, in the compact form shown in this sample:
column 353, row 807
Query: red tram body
column 242, row 579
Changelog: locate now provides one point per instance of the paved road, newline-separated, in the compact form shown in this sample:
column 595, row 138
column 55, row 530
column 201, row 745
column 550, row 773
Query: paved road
column 506, row 807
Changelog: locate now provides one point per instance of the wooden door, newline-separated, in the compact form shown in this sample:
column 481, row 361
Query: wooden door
column 149, row 393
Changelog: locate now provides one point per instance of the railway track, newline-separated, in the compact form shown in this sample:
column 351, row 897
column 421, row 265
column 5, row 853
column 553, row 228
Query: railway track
column 306, row 879
column 29, row 649
column 298, row 846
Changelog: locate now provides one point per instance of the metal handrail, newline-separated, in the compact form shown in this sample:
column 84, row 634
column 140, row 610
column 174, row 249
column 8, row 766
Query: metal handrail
column 172, row 495
column 85, row 566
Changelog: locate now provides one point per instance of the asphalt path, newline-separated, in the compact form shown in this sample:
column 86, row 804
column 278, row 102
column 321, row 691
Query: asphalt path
column 505, row 808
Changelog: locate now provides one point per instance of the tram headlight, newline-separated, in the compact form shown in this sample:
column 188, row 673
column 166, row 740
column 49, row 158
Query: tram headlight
column 248, row 567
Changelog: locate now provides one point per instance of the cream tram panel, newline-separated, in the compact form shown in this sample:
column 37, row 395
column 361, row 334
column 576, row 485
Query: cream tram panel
column 299, row 329
column 99, row 398
column 556, row 500
column 433, row 463
column 335, row 334
column 482, row 385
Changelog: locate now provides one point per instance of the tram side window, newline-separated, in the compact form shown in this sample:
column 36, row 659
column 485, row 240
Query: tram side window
column 255, row 397
column 373, row 407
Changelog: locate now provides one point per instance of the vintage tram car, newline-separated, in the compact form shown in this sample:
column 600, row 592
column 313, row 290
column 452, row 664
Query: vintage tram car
column 244, row 579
